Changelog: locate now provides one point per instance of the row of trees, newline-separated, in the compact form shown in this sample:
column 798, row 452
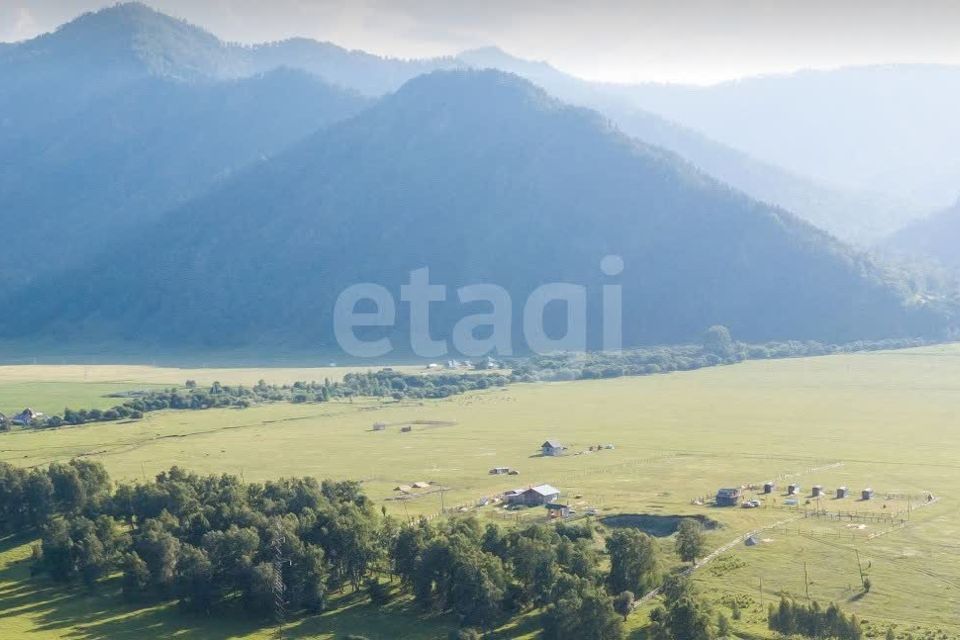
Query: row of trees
column 207, row 541
column 384, row 383
column 717, row 347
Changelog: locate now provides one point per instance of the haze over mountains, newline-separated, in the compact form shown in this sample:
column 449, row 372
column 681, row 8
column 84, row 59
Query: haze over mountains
column 183, row 191
column 889, row 129
column 934, row 238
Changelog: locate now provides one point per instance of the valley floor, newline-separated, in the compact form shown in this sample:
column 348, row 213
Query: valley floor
column 885, row 420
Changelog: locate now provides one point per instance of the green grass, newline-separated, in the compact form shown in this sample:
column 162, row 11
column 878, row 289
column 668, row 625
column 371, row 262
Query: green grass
column 885, row 420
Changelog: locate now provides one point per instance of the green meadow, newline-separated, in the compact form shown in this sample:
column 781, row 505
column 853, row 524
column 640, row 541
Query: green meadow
column 884, row 420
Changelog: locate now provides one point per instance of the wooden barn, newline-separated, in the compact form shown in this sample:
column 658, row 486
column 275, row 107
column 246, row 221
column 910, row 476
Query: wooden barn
column 728, row 497
column 534, row 496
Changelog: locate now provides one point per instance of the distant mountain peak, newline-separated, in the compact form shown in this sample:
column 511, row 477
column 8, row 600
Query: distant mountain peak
column 496, row 58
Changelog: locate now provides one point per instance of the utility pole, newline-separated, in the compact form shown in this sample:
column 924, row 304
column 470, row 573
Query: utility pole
column 859, row 566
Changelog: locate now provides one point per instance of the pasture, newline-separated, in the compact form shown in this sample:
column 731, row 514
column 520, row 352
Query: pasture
column 885, row 420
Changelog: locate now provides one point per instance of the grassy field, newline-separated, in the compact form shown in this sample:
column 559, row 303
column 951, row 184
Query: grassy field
column 882, row 420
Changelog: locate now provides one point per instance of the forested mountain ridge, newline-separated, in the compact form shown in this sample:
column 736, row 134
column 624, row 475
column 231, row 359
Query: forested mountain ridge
column 850, row 214
column 99, row 52
column 122, row 160
column 481, row 177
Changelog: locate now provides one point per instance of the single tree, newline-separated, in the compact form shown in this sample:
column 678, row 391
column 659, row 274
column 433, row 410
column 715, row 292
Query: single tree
column 690, row 543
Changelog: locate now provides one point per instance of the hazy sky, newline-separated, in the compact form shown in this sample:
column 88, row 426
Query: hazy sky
column 666, row 40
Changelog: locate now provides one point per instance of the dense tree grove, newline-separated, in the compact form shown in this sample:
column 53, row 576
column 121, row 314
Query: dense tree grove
column 811, row 621
column 683, row 616
column 207, row 541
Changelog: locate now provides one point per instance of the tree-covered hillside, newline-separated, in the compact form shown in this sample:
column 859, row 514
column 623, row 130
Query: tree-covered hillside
column 481, row 177
column 74, row 186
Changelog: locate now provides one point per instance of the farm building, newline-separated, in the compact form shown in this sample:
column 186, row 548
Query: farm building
column 793, row 489
column 817, row 491
column 534, row 496
column 769, row 487
column 842, row 492
column 557, row 510
column 552, row 448
column 379, row 426
column 866, row 494
column 728, row 497
column 406, row 429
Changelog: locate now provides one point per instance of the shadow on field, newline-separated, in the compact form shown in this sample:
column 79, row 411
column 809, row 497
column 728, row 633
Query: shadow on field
column 42, row 606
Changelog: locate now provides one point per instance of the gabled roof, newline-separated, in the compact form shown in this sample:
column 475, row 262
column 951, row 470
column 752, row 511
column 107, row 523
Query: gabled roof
column 545, row 490
column 553, row 444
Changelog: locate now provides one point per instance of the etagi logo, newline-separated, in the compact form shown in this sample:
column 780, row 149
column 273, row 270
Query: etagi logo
column 420, row 293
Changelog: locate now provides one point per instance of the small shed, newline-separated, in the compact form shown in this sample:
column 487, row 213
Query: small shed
column 728, row 497
column 552, row 448
column 379, row 426
column 793, row 489
column 866, row 494
column 751, row 541
column 817, row 490
column 769, row 487
column 842, row 492
column 557, row 510
column 406, row 429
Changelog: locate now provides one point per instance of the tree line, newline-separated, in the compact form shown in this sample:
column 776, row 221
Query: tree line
column 716, row 348
column 208, row 541
column 385, row 383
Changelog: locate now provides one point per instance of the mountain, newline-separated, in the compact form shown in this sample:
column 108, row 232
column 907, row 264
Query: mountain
column 853, row 215
column 890, row 129
column 55, row 75
column 481, row 177
column 935, row 238
column 125, row 113
column 59, row 74
column 126, row 158
column 360, row 71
